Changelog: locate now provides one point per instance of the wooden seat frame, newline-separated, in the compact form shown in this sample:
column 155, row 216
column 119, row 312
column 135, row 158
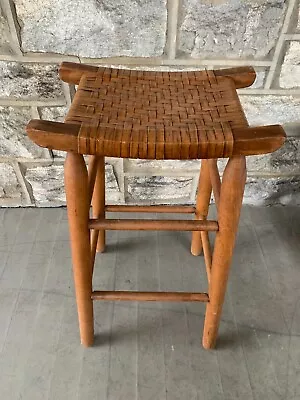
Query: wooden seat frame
column 87, row 186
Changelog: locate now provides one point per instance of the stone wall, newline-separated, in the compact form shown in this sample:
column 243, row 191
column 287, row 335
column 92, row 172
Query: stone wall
column 35, row 36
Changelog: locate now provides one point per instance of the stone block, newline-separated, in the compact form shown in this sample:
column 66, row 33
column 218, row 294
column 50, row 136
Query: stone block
column 112, row 190
column 236, row 28
column 159, row 189
column 47, row 183
column 29, row 81
column 290, row 70
column 267, row 191
column 14, row 141
column 5, row 38
column 10, row 190
column 268, row 110
column 94, row 28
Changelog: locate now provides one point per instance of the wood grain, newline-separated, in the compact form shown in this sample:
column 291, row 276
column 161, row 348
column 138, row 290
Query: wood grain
column 98, row 202
column 149, row 296
column 153, row 225
column 246, row 141
column 76, row 184
column 231, row 197
column 72, row 72
column 215, row 180
column 202, row 205
column 151, row 209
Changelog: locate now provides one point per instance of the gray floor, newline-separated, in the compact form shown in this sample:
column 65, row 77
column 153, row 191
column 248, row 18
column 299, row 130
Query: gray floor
column 149, row 350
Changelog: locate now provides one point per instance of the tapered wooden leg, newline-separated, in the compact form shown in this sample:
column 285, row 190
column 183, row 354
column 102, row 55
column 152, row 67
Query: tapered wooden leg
column 76, row 185
column 202, row 205
column 98, row 201
column 231, row 196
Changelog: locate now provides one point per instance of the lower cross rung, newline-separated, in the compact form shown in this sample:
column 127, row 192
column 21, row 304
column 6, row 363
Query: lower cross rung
column 153, row 225
column 149, row 296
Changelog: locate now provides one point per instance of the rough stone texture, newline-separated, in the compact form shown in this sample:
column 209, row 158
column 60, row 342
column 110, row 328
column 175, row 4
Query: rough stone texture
column 287, row 158
column 162, row 68
column 260, row 79
column 112, row 191
column 233, row 29
column 47, row 183
column 93, row 28
column 5, row 47
column 29, row 81
column 266, row 191
column 165, row 164
column 161, row 189
column 263, row 110
column 290, row 71
column 254, row 163
column 13, row 139
column 54, row 114
column 9, row 185
column 284, row 160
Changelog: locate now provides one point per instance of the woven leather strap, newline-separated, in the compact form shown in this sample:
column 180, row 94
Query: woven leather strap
column 156, row 115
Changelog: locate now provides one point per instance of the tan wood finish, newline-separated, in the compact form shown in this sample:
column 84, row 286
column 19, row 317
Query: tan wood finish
column 149, row 296
column 156, row 225
column 76, row 185
column 71, row 73
column 215, row 180
column 202, row 205
column 246, row 141
column 92, row 173
column 142, row 114
column 155, row 115
column 98, row 202
column 94, row 243
column 231, row 197
column 207, row 253
column 151, row 209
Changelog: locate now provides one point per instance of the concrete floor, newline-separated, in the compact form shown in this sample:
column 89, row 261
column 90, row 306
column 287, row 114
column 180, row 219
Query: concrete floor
column 149, row 350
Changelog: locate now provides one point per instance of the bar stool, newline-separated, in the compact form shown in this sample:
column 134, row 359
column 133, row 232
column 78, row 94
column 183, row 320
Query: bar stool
column 161, row 116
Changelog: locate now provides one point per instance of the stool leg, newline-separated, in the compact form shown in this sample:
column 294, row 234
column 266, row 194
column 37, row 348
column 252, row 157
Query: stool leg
column 98, row 201
column 231, row 197
column 202, row 204
column 215, row 180
column 76, row 185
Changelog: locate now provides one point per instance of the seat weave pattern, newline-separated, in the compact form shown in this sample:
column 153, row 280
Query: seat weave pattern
column 156, row 115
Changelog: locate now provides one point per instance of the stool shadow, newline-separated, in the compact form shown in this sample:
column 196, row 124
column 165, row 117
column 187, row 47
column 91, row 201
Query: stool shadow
column 126, row 245
column 122, row 334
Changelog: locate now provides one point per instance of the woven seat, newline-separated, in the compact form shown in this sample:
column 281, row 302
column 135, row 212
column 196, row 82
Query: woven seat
column 155, row 115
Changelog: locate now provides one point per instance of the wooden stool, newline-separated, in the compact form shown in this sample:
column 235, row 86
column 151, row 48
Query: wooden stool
column 161, row 116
